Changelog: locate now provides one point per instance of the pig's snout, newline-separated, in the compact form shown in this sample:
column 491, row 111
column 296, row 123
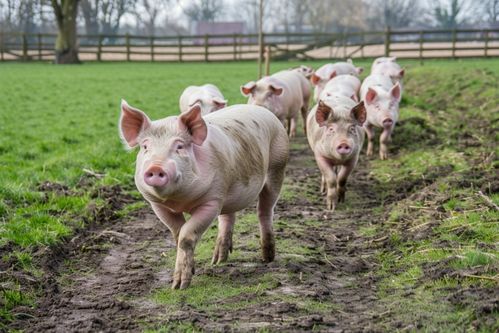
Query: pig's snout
column 387, row 122
column 343, row 149
column 156, row 176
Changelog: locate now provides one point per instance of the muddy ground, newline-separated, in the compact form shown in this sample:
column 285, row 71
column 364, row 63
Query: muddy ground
column 102, row 279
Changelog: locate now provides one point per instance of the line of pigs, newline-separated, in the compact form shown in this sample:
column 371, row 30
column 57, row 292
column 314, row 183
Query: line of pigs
column 214, row 160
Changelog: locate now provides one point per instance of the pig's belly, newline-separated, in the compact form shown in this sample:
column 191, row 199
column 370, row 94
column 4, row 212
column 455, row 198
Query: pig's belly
column 242, row 195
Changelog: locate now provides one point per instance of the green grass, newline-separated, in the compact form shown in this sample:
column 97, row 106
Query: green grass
column 57, row 121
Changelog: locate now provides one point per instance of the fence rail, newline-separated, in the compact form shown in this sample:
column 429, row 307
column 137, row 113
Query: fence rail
column 233, row 47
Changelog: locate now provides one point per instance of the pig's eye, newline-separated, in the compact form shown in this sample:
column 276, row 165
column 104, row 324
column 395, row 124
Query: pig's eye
column 144, row 146
column 352, row 129
column 179, row 146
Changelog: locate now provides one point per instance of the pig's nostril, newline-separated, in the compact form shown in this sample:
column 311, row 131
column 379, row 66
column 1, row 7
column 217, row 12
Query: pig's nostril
column 161, row 175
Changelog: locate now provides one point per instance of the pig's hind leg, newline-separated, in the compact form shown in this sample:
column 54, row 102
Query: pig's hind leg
column 267, row 199
column 224, row 240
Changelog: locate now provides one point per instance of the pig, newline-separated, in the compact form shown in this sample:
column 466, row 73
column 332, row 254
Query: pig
column 208, row 97
column 329, row 71
column 304, row 70
column 284, row 93
column 208, row 166
column 336, row 136
column 381, row 98
column 346, row 85
column 388, row 67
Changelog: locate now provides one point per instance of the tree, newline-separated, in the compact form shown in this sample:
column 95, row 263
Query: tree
column 103, row 16
column 448, row 14
column 393, row 13
column 204, row 10
column 147, row 13
column 491, row 9
column 66, row 46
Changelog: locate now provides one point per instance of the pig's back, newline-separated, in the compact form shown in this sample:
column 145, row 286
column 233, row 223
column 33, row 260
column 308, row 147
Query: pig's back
column 250, row 120
column 375, row 81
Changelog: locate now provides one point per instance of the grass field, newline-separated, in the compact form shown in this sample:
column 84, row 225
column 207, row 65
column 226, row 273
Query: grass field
column 430, row 237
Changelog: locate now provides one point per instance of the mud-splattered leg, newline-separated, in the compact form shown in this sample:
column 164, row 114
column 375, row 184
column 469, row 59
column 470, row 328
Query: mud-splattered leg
column 189, row 235
column 224, row 240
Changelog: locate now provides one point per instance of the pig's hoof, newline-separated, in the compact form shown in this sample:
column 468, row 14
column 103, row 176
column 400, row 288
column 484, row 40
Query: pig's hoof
column 268, row 248
column 383, row 156
column 222, row 250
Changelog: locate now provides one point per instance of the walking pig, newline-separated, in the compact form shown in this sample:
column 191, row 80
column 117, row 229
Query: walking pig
column 285, row 93
column 336, row 136
column 381, row 98
column 329, row 71
column 387, row 66
column 346, row 85
column 208, row 97
column 208, row 166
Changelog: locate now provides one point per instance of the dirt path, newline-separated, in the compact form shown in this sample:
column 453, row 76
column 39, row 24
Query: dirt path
column 101, row 280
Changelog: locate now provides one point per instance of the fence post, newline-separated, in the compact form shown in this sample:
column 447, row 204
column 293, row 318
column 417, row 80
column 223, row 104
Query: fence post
column 127, row 42
column 362, row 45
column 454, row 43
column 2, row 44
column 235, row 47
column 25, row 47
column 268, row 55
column 39, row 46
column 206, row 48
column 387, row 42
column 421, row 35
column 152, row 48
column 179, row 48
column 486, row 48
column 99, row 48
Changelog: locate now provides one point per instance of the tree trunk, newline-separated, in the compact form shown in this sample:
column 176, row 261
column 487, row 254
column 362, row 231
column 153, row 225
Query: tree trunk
column 66, row 45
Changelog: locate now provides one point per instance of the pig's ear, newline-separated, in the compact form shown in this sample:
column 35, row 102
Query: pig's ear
column 132, row 123
column 350, row 61
column 275, row 90
column 315, row 79
column 395, row 92
column 193, row 123
column 322, row 113
column 333, row 74
column 392, row 59
column 248, row 88
column 371, row 96
column 359, row 113
column 219, row 102
column 354, row 98
column 359, row 70
column 402, row 72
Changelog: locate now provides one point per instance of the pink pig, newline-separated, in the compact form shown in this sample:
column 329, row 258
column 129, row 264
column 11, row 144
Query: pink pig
column 329, row 71
column 208, row 97
column 336, row 136
column 284, row 93
column 346, row 85
column 381, row 98
column 208, row 166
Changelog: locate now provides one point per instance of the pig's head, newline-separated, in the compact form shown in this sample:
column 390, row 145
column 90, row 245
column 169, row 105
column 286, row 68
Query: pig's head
column 319, row 83
column 165, row 164
column 341, row 138
column 207, row 103
column 266, row 92
column 306, row 71
column 383, row 106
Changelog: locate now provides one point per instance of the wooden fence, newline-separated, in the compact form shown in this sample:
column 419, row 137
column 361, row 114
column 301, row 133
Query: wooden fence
column 403, row 44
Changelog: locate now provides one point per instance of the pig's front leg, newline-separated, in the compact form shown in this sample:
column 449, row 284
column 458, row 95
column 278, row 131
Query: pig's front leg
column 385, row 138
column 224, row 239
column 329, row 173
column 342, row 180
column 370, row 138
column 174, row 221
column 292, row 127
column 323, row 184
column 189, row 235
